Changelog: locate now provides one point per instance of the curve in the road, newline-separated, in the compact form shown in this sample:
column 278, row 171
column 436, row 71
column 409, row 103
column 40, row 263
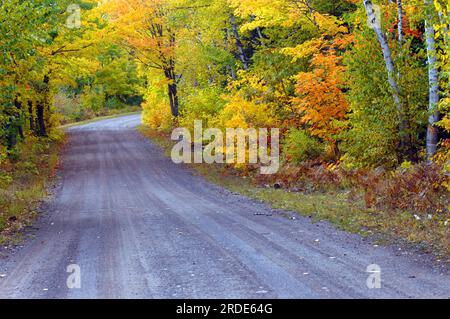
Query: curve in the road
column 139, row 226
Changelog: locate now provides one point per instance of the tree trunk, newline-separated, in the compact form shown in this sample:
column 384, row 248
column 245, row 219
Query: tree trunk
column 433, row 84
column 173, row 98
column 47, row 93
column 260, row 36
column 400, row 21
column 239, row 45
column 11, row 135
column 40, row 117
column 31, row 116
column 169, row 72
column 230, row 68
column 18, row 106
column 382, row 40
column 43, row 106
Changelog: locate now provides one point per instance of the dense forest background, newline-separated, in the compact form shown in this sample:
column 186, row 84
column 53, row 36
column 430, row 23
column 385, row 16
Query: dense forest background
column 359, row 88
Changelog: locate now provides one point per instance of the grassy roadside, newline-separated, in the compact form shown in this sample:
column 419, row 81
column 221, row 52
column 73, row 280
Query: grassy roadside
column 342, row 208
column 24, row 179
column 24, row 182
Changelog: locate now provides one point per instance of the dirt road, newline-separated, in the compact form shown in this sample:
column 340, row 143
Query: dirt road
column 139, row 226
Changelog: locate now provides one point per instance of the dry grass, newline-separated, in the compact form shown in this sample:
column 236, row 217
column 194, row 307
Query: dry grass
column 346, row 206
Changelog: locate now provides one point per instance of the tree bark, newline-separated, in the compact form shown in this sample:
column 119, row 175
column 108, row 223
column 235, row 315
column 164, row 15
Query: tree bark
column 40, row 118
column 433, row 84
column 42, row 105
column 239, row 45
column 18, row 106
column 47, row 92
column 230, row 68
column 31, row 116
column 169, row 71
column 400, row 21
column 173, row 98
column 11, row 135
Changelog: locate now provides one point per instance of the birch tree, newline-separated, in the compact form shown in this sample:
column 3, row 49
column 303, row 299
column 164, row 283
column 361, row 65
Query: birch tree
column 433, row 82
column 400, row 21
column 387, row 55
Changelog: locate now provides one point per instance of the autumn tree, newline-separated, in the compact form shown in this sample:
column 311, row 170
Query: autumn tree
column 145, row 29
column 321, row 99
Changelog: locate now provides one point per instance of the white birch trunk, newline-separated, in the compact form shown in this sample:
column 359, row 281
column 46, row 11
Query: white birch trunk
column 433, row 83
column 400, row 21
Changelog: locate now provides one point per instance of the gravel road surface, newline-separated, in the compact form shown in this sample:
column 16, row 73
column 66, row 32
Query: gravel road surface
column 139, row 226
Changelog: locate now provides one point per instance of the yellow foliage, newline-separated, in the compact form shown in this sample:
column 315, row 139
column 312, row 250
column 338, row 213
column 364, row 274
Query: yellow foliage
column 155, row 107
column 445, row 123
column 155, row 115
column 406, row 165
column 266, row 12
column 241, row 113
column 269, row 13
column 303, row 50
column 202, row 105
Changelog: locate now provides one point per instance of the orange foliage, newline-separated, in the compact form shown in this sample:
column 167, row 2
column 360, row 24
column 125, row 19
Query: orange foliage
column 407, row 30
column 321, row 101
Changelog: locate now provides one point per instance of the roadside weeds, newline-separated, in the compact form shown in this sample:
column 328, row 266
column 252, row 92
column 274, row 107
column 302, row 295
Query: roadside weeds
column 340, row 207
column 24, row 184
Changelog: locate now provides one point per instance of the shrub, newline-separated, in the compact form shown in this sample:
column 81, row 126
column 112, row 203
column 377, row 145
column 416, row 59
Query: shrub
column 93, row 100
column 240, row 112
column 114, row 103
column 299, row 146
column 420, row 189
column 156, row 114
column 202, row 105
